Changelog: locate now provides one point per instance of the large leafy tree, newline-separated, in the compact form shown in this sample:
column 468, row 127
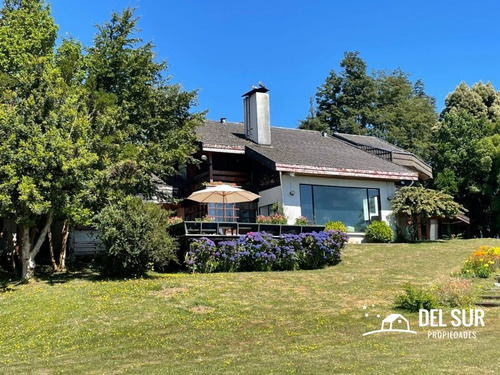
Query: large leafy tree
column 386, row 105
column 480, row 101
column 404, row 113
column 44, row 147
column 421, row 204
column 142, row 123
column 464, row 162
column 488, row 154
column 345, row 102
column 81, row 129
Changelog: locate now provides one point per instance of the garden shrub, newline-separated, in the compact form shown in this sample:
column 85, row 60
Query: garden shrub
column 379, row 231
column 134, row 236
column 414, row 299
column 174, row 220
column 205, row 219
column 456, row 292
column 260, row 251
column 482, row 262
column 261, row 219
column 279, row 219
column 336, row 225
column 321, row 249
column 224, row 256
column 257, row 252
column 201, row 256
column 290, row 251
column 301, row 220
column 275, row 219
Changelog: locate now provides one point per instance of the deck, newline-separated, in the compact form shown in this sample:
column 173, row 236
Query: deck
column 228, row 230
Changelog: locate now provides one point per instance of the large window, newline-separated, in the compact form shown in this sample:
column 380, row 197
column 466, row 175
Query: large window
column 242, row 212
column 355, row 207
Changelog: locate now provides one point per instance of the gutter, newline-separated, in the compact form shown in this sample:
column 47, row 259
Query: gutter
column 343, row 172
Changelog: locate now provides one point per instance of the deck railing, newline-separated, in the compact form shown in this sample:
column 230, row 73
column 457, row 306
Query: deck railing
column 233, row 229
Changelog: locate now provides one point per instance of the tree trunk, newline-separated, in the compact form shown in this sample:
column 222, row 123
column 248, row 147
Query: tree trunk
column 64, row 245
column 27, row 266
column 419, row 228
column 30, row 250
column 51, row 248
column 12, row 245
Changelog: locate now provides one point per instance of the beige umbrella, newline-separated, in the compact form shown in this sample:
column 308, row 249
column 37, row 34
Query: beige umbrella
column 223, row 194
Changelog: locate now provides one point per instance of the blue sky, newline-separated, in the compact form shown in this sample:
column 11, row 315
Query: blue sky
column 223, row 47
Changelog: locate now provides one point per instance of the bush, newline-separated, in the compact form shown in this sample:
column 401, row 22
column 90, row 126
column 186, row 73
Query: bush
column 205, row 219
column 174, row 220
column 279, row 219
column 134, row 236
column 336, row 225
column 482, row 262
column 201, row 256
column 301, row 220
column 261, row 219
column 256, row 252
column 289, row 252
column 379, row 231
column 456, row 292
column 414, row 299
column 321, row 249
column 262, row 252
column 275, row 219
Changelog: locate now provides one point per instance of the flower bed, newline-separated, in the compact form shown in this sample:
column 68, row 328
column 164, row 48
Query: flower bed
column 260, row 251
column 482, row 262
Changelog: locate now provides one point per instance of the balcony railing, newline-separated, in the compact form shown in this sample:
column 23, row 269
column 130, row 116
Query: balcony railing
column 232, row 229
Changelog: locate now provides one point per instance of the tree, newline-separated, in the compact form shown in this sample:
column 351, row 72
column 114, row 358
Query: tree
column 345, row 101
column 142, row 123
column 79, row 131
column 311, row 122
column 464, row 158
column 43, row 148
column 480, row 101
column 385, row 105
column 488, row 154
column 404, row 114
column 421, row 204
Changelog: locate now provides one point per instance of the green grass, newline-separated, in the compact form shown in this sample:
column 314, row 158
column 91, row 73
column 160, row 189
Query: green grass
column 307, row 322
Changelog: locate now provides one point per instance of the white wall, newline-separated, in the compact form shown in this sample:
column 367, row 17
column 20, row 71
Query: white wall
column 269, row 196
column 291, row 203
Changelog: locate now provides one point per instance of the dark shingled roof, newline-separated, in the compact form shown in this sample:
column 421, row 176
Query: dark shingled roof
column 301, row 151
column 228, row 135
column 381, row 148
column 368, row 141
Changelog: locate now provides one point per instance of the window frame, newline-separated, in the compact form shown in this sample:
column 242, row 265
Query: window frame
column 367, row 189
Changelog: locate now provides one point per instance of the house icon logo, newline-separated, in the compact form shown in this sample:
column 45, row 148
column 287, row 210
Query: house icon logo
column 393, row 323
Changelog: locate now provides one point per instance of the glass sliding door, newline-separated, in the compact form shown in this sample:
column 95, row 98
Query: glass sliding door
column 355, row 207
column 306, row 202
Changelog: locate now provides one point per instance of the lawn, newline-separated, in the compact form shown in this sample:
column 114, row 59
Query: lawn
column 306, row 322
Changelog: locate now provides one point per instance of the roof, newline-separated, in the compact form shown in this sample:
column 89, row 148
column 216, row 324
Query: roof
column 386, row 150
column 302, row 151
column 368, row 141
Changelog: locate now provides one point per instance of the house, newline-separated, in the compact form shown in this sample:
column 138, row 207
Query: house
column 324, row 178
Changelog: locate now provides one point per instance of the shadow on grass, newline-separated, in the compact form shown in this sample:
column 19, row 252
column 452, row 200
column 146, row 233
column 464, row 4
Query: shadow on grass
column 80, row 271
column 45, row 274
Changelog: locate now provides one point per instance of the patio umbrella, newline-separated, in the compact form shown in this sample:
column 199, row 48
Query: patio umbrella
column 223, row 194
